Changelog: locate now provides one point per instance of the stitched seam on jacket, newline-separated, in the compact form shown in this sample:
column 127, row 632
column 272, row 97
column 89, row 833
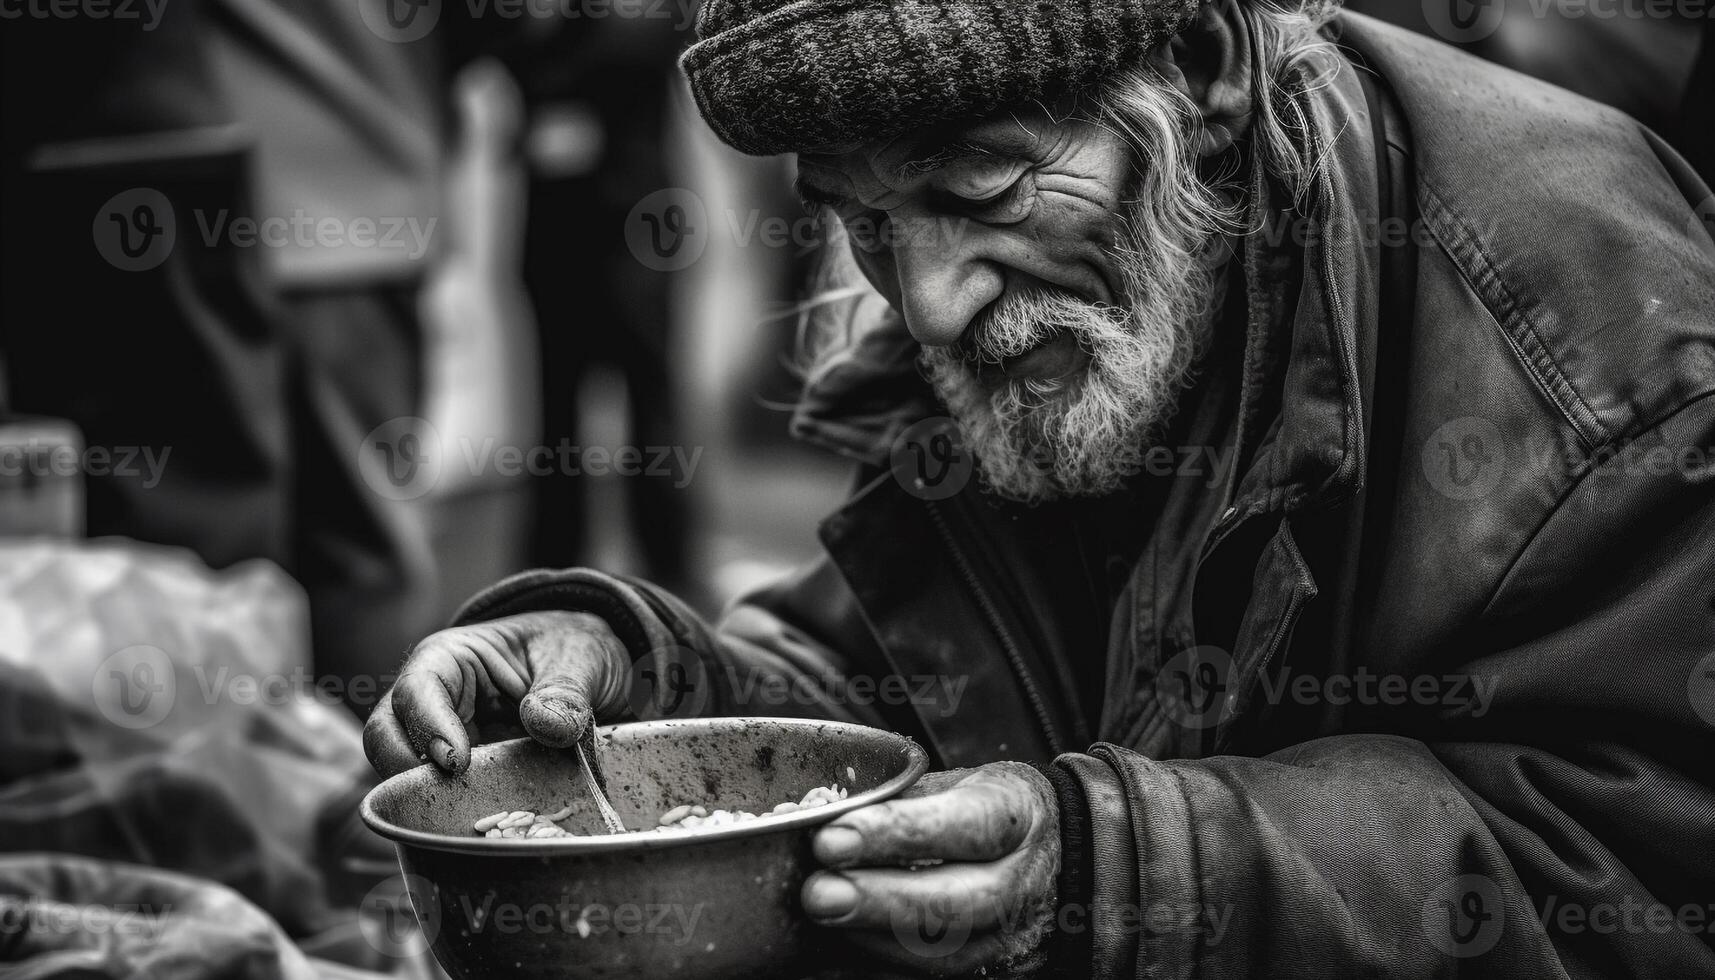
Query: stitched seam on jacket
column 1571, row 490
column 1503, row 305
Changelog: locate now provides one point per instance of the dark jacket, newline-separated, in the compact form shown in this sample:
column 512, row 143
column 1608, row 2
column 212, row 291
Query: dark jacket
column 1471, row 478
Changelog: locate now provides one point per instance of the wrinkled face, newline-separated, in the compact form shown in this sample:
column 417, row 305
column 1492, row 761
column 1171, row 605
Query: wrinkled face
column 1053, row 279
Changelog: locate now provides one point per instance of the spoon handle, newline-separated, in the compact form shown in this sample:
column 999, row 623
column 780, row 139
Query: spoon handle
column 593, row 785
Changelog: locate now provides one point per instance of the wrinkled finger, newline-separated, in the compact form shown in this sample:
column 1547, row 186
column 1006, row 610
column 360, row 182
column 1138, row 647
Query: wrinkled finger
column 432, row 701
column 976, row 820
column 384, row 740
column 959, row 898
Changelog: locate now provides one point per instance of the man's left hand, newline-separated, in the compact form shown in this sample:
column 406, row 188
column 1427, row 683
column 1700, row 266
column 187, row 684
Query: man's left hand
column 956, row 875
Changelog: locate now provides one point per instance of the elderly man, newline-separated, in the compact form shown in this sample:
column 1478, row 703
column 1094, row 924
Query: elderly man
column 1331, row 595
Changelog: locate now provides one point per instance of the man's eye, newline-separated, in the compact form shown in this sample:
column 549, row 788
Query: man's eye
column 1006, row 204
column 989, row 193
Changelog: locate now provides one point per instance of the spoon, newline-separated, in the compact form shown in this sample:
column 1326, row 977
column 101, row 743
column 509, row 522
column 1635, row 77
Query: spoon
column 589, row 764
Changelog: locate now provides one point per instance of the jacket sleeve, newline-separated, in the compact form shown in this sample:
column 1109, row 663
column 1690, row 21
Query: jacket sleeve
column 796, row 648
column 1562, row 832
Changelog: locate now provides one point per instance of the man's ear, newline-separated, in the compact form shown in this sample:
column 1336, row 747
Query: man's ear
column 1210, row 60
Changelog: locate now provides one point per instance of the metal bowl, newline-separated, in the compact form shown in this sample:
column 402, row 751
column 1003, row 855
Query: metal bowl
column 707, row 902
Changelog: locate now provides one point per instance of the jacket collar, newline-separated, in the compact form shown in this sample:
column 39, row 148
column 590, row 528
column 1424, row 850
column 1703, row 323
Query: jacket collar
column 1313, row 453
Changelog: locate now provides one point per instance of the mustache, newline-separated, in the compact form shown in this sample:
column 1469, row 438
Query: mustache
column 1019, row 321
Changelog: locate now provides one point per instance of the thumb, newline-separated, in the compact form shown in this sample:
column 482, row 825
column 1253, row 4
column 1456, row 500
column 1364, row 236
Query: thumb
column 573, row 670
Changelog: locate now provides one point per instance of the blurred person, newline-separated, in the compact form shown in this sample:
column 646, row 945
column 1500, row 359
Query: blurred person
column 333, row 263
column 119, row 316
column 1408, row 328
column 595, row 95
column 348, row 129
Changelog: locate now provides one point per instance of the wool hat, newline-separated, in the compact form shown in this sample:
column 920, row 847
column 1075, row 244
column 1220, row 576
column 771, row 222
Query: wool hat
column 778, row 76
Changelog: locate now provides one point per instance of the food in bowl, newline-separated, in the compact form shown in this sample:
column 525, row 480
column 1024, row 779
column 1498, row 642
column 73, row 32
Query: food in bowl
column 527, row 825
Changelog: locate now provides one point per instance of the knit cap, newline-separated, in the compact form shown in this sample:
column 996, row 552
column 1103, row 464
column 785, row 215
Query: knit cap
column 780, row 76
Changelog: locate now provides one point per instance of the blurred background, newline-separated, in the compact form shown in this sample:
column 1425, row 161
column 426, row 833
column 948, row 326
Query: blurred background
column 316, row 316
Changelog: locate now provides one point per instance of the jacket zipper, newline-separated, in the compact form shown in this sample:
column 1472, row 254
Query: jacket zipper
column 996, row 623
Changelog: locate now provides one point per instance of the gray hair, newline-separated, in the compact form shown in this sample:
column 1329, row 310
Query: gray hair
column 1291, row 58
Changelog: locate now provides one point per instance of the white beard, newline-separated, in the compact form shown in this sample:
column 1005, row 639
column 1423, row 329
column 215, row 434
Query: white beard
column 1087, row 434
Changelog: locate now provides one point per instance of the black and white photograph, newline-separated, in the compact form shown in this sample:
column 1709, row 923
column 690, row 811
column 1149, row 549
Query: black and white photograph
column 845, row 489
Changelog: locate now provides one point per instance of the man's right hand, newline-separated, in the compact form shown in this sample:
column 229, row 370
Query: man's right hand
column 562, row 671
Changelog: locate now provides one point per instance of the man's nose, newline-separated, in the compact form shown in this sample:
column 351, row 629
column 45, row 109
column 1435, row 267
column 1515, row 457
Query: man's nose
column 942, row 287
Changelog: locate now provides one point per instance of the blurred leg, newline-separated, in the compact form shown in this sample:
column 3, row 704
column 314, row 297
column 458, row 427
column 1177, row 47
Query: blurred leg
column 364, row 557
